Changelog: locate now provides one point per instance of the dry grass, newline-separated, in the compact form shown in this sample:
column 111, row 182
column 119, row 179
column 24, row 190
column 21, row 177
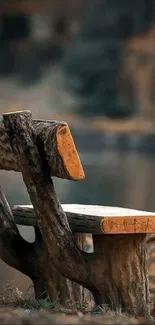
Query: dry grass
column 10, row 316
column 17, row 308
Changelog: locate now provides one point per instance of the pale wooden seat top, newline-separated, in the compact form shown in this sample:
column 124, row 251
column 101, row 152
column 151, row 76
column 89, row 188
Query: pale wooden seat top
column 104, row 211
column 100, row 219
column 100, row 210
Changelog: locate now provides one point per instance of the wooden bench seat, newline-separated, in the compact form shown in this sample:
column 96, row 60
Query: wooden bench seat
column 119, row 250
column 95, row 219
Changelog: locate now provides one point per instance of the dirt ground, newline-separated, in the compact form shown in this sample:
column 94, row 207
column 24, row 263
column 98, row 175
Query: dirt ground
column 22, row 309
column 10, row 316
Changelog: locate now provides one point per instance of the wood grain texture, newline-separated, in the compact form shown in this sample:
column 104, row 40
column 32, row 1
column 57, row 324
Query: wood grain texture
column 96, row 220
column 123, row 261
column 14, row 250
column 116, row 272
column 68, row 153
column 64, row 254
column 151, row 261
column 56, row 145
column 31, row 258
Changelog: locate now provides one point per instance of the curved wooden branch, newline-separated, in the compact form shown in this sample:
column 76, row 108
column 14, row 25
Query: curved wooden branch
column 65, row 255
column 31, row 258
column 28, row 258
column 14, row 250
column 56, row 145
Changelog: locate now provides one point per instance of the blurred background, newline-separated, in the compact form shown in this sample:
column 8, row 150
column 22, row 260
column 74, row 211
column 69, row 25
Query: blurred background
column 92, row 64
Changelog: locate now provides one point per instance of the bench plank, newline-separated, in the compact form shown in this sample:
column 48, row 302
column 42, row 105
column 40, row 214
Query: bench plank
column 96, row 220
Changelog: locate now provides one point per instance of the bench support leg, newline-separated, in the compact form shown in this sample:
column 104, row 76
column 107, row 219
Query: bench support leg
column 32, row 260
column 123, row 283
column 48, row 282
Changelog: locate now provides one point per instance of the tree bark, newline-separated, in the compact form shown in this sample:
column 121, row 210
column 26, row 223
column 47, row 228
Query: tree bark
column 32, row 260
column 14, row 250
column 56, row 146
column 81, row 223
column 49, row 282
column 65, row 255
column 91, row 224
column 151, row 262
column 123, row 261
column 116, row 273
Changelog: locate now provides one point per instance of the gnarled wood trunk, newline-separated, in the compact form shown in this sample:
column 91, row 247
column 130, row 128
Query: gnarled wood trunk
column 48, row 282
column 32, row 259
column 123, row 261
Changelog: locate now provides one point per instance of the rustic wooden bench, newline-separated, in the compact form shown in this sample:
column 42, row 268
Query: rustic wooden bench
column 116, row 272
column 119, row 239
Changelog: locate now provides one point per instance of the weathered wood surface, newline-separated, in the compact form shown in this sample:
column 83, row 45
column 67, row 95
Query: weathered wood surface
column 31, row 258
column 151, row 261
column 95, row 271
column 96, row 220
column 56, row 144
column 59, row 241
column 24, row 215
column 125, row 273
column 14, row 250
